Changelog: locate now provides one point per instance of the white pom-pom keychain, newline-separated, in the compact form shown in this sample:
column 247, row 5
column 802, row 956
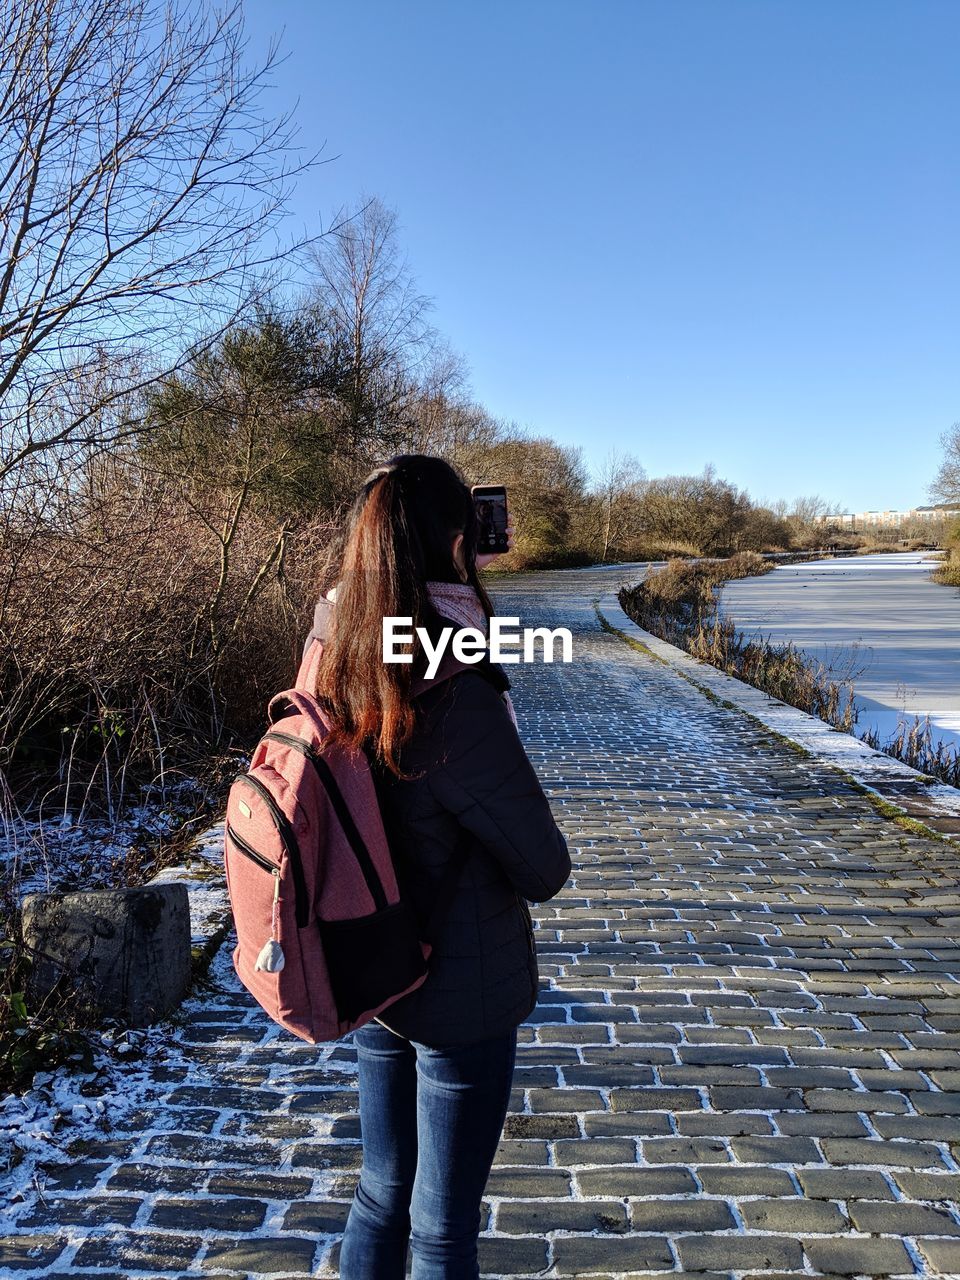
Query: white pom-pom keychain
column 271, row 958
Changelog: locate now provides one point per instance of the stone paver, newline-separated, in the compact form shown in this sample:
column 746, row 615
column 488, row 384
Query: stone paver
column 744, row 1063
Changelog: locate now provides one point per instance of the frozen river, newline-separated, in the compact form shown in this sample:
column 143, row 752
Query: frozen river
column 878, row 614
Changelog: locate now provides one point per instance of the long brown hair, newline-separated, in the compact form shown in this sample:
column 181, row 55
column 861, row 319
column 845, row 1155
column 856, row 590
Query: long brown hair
column 399, row 537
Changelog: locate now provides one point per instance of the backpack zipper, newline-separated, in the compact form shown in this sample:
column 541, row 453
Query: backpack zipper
column 251, row 852
column 344, row 816
column 288, row 839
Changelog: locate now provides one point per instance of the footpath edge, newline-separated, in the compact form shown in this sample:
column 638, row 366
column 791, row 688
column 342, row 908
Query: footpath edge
column 898, row 791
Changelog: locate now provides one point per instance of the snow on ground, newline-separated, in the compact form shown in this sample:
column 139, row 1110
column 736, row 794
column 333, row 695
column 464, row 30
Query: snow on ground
column 63, row 1106
column 64, row 1109
column 203, row 875
column 80, row 851
column 878, row 613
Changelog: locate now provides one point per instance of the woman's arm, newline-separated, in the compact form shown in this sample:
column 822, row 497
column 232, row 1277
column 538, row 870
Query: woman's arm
column 483, row 776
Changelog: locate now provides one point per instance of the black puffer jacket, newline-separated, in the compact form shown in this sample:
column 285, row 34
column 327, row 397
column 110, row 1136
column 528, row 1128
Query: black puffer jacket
column 474, row 794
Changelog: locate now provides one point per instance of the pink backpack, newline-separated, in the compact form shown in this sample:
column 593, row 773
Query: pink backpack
column 324, row 940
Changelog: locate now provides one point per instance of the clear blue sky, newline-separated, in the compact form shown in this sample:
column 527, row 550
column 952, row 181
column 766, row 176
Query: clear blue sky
column 699, row 230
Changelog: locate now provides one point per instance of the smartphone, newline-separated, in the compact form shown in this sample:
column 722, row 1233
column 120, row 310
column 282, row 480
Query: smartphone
column 490, row 501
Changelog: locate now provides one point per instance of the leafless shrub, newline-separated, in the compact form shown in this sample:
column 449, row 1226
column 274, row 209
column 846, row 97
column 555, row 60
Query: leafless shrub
column 106, row 661
column 948, row 572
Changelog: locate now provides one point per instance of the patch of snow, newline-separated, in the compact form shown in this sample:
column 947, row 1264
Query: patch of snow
column 70, row 851
column 63, row 1106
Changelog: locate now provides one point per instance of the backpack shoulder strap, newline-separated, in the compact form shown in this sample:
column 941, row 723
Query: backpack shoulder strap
column 306, row 680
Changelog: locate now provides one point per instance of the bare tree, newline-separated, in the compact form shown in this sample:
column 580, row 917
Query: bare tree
column 946, row 485
column 368, row 297
column 140, row 189
column 619, row 485
column 670, row 511
column 806, row 510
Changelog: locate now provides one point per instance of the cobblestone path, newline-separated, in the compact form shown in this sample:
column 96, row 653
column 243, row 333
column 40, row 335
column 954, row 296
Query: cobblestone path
column 744, row 1062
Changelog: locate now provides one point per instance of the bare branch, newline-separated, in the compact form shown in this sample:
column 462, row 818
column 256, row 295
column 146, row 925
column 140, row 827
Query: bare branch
column 946, row 485
column 141, row 192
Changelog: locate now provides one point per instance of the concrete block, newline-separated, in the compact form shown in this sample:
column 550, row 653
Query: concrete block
column 126, row 950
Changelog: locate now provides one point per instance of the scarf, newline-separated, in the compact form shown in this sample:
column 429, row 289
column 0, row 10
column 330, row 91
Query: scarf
column 458, row 602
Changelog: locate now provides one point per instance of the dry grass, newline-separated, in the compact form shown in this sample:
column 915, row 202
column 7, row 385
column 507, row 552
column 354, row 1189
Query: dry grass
column 681, row 596
column 915, row 745
column 779, row 670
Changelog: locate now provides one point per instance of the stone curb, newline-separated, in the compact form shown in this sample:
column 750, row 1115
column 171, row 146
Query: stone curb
column 202, row 874
column 914, row 795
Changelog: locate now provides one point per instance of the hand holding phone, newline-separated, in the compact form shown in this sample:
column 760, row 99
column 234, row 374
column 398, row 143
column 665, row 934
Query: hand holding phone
column 490, row 501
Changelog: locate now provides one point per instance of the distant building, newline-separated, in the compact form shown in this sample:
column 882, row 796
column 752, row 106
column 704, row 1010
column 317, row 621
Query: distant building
column 888, row 519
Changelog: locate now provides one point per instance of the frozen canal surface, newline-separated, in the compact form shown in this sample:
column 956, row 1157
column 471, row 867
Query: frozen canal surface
column 878, row 614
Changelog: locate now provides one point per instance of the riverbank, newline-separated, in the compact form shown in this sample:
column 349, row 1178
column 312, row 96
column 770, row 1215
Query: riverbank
column 690, row 607
column 882, row 616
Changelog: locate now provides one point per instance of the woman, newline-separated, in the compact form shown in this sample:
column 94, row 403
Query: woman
column 468, row 825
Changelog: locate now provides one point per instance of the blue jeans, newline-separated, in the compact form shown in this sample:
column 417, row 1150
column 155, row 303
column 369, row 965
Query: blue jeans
column 431, row 1122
